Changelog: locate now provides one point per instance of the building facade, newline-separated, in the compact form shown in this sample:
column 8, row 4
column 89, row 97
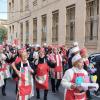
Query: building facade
column 3, row 23
column 55, row 22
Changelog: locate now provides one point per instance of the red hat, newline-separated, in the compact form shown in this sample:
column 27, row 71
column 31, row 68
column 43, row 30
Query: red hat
column 1, row 47
column 42, row 50
column 83, row 51
column 22, row 50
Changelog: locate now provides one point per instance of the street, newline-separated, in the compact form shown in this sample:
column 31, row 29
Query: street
column 10, row 91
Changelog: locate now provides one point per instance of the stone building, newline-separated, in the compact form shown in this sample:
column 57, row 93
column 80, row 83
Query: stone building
column 55, row 22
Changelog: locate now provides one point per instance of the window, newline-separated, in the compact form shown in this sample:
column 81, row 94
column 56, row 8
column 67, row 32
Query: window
column 13, row 29
column 27, row 32
column 92, row 11
column 21, row 5
column 70, row 24
column 55, row 18
column 26, row 4
column 34, row 3
column 35, row 30
column 44, row 28
column 9, row 6
column 11, row 38
column 12, row 3
column 21, row 33
column 16, row 34
column 10, row 29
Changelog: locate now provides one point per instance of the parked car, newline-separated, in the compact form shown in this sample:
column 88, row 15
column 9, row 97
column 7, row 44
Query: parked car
column 95, row 58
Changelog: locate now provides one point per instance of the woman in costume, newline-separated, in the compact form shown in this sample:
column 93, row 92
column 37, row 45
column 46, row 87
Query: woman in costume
column 41, row 77
column 25, row 81
column 6, row 71
column 56, row 71
column 74, row 92
column 1, row 69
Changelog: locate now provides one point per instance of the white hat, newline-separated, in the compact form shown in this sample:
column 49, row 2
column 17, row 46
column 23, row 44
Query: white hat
column 75, row 49
column 45, row 44
column 18, row 47
column 3, row 56
column 76, row 58
column 75, row 43
column 30, row 45
column 37, row 45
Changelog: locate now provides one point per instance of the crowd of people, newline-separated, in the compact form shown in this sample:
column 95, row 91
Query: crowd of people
column 31, row 67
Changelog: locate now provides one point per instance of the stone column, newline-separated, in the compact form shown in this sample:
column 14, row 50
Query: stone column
column 98, row 48
column 31, row 31
column 49, row 28
column 39, row 28
column 62, row 26
column 24, row 33
column 80, row 18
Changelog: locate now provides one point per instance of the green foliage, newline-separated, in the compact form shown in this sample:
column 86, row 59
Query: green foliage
column 3, row 33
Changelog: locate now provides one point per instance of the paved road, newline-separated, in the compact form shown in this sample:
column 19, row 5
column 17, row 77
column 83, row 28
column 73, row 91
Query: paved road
column 11, row 93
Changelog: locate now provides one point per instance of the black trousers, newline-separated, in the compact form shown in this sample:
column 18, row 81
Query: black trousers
column 16, row 90
column 4, row 86
column 88, row 94
column 55, row 84
column 45, row 94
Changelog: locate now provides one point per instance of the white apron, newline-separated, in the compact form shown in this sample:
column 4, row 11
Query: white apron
column 6, row 71
column 1, row 79
column 25, row 84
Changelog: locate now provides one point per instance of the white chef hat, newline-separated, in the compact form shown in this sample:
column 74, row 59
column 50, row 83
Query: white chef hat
column 75, row 49
column 76, row 58
column 3, row 57
column 45, row 44
column 75, row 43
column 37, row 45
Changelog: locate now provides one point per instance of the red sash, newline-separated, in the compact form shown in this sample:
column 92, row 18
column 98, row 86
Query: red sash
column 58, row 68
column 3, row 69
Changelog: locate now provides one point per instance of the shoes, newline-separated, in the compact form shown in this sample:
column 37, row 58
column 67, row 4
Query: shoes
column 38, row 97
column 53, row 92
column 89, row 98
column 4, row 94
column 57, row 89
column 97, row 93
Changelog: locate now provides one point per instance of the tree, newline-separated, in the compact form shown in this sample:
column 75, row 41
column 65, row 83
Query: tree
column 3, row 33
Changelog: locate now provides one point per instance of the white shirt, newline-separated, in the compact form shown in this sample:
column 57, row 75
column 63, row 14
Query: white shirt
column 68, row 76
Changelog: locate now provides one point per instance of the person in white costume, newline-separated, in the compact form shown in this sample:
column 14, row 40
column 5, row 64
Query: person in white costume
column 69, row 80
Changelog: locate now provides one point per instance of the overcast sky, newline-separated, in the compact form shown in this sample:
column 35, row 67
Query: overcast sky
column 3, row 8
